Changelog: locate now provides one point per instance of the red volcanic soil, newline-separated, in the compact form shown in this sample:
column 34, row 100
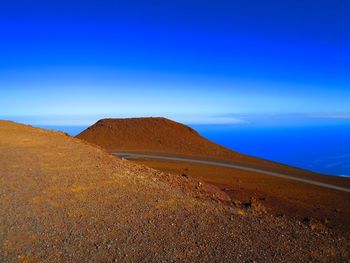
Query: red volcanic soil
column 160, row 135
column 154, row 135
column 63, row 200
column 330, row 208
column 316, row 206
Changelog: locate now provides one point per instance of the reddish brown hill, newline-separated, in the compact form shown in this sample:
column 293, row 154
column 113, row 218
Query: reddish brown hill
column 162, row 135
column 152, row 135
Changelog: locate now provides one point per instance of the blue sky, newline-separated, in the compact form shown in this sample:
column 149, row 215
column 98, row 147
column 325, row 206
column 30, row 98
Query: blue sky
column 72, row 62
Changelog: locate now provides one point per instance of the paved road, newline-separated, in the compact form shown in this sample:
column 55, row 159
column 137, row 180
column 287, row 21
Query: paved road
column 227, row 165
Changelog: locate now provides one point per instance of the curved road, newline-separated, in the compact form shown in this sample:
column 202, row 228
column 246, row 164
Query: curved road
column 227, row 165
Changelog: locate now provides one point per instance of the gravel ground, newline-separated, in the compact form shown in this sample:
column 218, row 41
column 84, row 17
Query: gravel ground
column 62, row 200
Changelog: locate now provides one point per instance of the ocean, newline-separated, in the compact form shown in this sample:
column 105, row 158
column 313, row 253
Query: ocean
column 323, row 149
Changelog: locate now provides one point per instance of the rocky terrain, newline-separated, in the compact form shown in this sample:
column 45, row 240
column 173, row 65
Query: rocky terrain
column 325, row 208
column 65, row 200
column 318, row 207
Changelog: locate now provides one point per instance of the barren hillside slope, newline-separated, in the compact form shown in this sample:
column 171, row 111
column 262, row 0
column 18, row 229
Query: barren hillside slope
column 63, row 200
column 161, row 135
column 153, row 135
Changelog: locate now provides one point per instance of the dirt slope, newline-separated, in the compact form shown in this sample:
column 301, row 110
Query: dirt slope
column 62, row 200
column 329, row 209
column 153, row 135
column 161, row 135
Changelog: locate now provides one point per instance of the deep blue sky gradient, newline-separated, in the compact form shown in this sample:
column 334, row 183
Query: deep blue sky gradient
column 72, row 62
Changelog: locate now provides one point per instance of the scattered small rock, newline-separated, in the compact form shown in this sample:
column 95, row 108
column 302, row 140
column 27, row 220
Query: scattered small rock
column 306, row 220
column 280, row 214
column 247, row 204
column 254, row 204
column 237, row 203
